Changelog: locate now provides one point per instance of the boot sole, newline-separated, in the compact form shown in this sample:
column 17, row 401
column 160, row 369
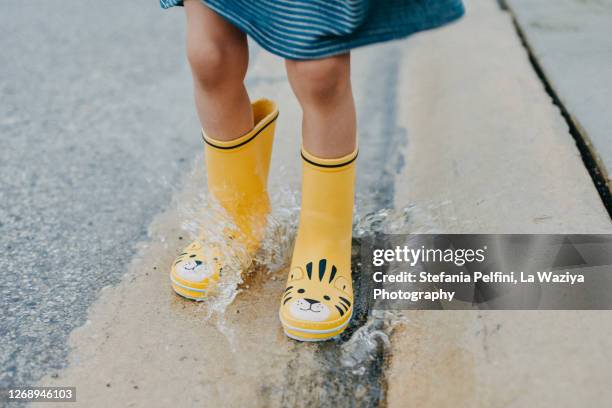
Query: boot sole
column 312, row 335
column 188, row 292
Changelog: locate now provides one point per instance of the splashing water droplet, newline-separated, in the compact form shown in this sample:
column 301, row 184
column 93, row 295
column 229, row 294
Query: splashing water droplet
column 203, row 213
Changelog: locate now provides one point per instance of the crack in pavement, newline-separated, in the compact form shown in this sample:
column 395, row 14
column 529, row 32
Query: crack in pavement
column 585, row 146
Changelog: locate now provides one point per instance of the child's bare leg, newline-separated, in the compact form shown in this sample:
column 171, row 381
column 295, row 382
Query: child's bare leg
column 318, row 301
column 323, row 88
column 219, row 56
column 236, row 168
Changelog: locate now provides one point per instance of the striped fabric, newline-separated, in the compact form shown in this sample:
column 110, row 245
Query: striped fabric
column 308, row 29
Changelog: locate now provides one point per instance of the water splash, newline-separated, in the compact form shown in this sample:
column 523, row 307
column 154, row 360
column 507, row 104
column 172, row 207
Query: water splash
column 369, row 340
column 276, row 247
column 411, row 219
column 205, row 220
column 202, row 212
column 356, row 358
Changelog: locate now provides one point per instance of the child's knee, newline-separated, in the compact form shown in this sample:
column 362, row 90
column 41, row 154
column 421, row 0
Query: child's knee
column 214, row 63
column 319, row 81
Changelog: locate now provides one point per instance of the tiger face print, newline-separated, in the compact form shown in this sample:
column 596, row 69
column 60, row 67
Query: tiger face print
column 316, row 293
column 190, row 264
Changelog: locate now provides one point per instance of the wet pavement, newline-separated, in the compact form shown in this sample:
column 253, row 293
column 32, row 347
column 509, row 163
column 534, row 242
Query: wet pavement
column 255, row 362
column 102, row 186
column 96, row 128
column 96, row 140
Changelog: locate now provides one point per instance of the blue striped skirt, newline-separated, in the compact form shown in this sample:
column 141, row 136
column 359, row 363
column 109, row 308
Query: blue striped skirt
column 309, row 29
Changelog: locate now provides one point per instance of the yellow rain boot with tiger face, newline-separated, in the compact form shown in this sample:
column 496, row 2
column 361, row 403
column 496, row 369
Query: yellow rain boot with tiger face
column 237, row 173
column 318, row 300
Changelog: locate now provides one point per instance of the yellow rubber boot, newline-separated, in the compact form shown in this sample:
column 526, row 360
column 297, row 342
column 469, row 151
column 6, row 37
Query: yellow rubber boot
column 318, row 300
column 237, row 178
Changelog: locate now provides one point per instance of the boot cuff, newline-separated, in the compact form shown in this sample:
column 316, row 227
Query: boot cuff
column 265, row 113
column 329, row 163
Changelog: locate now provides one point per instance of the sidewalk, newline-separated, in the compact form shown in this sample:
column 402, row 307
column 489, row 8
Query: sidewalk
column 486, row 140
column 572, row 45
column 458, row 126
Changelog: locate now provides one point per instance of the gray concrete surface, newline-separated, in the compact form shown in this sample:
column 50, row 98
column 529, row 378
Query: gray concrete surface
column 144, row 345
column 504, row 163
column 457, row 135
column 572, row 42
column 96, row 128
column 99, row 130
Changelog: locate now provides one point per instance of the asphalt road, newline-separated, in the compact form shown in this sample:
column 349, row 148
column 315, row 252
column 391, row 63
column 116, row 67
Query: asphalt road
column 96, row 128
column 98, row 133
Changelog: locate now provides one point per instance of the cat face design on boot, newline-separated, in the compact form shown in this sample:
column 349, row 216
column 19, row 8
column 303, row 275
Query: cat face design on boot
column 317, row 295
column 190, row 268
column 189, row 265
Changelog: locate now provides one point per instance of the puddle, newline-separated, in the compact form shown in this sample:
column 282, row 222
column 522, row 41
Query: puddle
column 354, row 362
column 202, row 213
column 230, row 350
